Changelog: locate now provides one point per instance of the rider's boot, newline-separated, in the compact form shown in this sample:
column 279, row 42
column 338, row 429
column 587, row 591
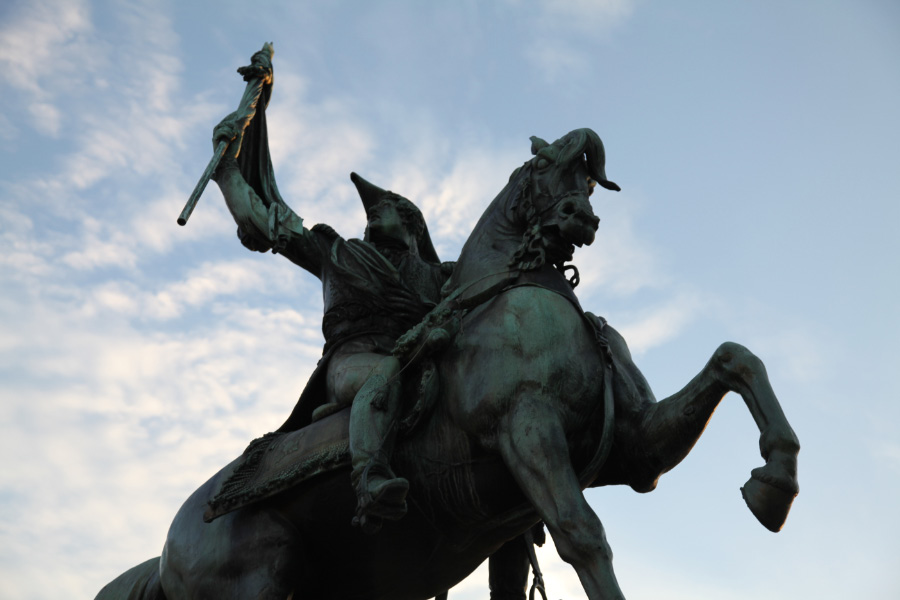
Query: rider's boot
column 380, row 493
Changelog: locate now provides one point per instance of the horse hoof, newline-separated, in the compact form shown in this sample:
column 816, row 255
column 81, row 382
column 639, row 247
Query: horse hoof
column 769, row 503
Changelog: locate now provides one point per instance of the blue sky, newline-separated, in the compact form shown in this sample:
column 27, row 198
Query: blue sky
column 756, row 145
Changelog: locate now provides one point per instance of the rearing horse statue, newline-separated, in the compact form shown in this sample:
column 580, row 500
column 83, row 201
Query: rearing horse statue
column 536, row 401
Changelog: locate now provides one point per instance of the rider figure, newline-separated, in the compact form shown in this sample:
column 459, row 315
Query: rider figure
column 375, row 289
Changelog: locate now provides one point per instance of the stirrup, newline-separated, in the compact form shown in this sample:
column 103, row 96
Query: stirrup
column 388, row 502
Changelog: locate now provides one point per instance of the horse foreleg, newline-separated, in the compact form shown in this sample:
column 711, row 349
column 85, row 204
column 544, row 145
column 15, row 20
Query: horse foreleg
column 670, row 428
column 533, row 445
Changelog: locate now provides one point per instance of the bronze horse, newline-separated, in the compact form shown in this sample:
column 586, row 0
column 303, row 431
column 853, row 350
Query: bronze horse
column 538, row 400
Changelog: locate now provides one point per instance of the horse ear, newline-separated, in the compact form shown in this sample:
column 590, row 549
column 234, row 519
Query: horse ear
column 545, row 154
column 537, row 144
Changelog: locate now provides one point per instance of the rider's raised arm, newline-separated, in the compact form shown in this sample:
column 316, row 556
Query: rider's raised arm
column 248, row 210
column 262, row 227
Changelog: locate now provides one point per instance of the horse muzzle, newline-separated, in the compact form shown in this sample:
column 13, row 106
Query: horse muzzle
column 577, row 223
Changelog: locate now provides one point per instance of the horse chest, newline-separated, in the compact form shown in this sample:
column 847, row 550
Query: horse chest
column 525, row 341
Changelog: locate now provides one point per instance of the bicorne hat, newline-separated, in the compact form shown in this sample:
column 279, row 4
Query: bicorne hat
column 371, row 194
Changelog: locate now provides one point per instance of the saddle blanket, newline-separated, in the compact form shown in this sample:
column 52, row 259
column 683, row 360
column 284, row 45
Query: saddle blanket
column 280, row 460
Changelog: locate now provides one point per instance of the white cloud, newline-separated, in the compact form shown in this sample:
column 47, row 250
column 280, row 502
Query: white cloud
column 22, row 252
column 660, row 324
column 209, row 281
column 44, row 41
column 453, row 190
column 619, row 262
column 100, row 253
column 97, row 409
column 47, row 118
column 150, row 224
column 201, row 288
column 49, row 52
column 314, row 146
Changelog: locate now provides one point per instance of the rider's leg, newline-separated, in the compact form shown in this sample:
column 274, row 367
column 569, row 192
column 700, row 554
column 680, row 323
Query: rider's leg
column 373, row 428
column 348, row 369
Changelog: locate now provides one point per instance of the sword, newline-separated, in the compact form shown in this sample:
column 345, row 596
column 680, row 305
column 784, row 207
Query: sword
column 257, row 75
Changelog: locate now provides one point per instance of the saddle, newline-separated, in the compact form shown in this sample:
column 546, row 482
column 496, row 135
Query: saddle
column 281, row 460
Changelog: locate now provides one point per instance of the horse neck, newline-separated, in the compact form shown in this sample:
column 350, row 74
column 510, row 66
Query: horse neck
column 495, row 238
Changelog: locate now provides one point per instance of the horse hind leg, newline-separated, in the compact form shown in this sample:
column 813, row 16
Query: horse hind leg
column 671, row 427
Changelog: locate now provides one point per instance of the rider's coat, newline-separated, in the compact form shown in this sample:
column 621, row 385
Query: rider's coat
column 371, row 295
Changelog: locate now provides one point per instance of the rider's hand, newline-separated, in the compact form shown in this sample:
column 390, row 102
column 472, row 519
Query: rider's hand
column 230, row 130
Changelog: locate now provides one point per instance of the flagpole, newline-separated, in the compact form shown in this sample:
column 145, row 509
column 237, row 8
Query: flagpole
column 257, row 75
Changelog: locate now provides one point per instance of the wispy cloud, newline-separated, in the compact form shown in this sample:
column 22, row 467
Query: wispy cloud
column 43, row 44
column 46, row 118
column 315, row 144
column 552, row 48
column 620, row 262
column 93, row 358
column 112, row 187
column 204, row 284
column 453, row 186
column 660, row 324
column 312, row 138
column 889, row 452
column 49, row 53
column 95, row 253
column 156, row 396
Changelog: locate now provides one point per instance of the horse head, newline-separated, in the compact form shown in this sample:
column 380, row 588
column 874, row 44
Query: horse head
column 555, row 200
column 541, row 215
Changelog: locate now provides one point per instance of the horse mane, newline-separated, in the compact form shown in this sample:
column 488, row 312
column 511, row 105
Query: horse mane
column 530, row 254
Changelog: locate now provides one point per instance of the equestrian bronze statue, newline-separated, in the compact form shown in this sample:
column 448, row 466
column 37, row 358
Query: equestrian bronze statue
column 486, row 398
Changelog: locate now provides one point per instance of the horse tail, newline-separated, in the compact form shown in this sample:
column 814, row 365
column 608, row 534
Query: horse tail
column 137, row 583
